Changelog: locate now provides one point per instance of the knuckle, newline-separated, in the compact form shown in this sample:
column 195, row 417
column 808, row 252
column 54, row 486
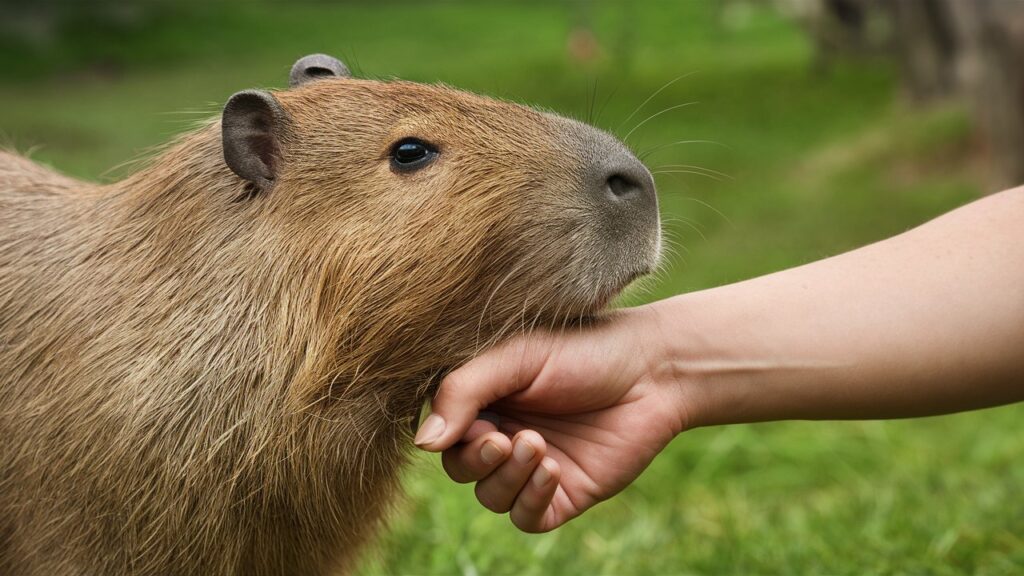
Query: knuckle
column 453, row 384
column 525, row 521
column 455, row 468
column 518, row 521
column 509, row 480
column 489, row 501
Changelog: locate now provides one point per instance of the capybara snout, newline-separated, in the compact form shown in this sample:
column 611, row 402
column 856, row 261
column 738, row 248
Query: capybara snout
column 624, row 229
column 558, row 212
column 211, row 366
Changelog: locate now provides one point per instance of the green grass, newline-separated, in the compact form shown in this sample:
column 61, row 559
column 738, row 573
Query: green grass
column 817, row 164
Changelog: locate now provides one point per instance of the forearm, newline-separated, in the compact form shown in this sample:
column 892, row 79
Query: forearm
column 928, row 322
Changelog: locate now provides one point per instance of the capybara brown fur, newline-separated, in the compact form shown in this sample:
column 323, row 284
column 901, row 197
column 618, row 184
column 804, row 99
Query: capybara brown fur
column 212, row 366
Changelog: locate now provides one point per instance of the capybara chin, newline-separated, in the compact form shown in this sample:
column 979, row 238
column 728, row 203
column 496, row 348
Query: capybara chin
column 211, row 366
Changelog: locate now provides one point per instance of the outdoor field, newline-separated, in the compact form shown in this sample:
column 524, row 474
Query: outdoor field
column 762, row 162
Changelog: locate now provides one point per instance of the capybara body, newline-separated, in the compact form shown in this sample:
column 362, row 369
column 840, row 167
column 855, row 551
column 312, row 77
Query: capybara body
column 212, row 366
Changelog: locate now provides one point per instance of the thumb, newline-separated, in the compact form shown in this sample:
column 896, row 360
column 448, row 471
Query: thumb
column 497, row 373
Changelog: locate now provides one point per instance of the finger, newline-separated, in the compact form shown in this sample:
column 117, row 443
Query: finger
column 475, row 460
column 497, row 373
column 532, row 511
column 498, row 491
column 478, row 428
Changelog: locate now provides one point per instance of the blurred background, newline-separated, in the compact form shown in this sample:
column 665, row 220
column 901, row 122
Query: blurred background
column 780, row 132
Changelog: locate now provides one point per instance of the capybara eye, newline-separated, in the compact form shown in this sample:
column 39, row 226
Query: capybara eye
column 411, row 154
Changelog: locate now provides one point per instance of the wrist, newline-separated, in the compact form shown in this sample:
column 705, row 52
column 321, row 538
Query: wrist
column 753, row 352
column 714, row 350
column 669, row 332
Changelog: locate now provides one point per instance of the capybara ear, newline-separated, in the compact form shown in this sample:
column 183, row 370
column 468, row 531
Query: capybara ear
column 314, row 66
column 250, row 130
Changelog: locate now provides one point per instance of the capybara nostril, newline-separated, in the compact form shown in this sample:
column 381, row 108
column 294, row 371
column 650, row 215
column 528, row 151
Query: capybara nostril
column 624, row 186
column 616, row 177
column 627, row 178
column 621, row 185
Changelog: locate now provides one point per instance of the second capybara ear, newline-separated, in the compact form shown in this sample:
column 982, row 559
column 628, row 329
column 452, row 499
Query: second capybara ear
column 251, row 129
column 314, row 67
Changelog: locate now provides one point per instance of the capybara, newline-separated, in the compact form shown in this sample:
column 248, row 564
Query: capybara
column 213, row 365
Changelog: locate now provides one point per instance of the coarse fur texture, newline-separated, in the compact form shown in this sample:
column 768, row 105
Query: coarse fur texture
column 200, row 377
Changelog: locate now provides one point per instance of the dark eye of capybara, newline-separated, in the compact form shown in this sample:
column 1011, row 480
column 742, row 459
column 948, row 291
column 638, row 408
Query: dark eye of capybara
column 411, row 154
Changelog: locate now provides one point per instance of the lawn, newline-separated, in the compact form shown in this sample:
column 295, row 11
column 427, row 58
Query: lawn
column 811, row 163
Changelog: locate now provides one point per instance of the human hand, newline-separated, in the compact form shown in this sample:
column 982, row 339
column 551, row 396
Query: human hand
column 932, row 325
column 579, row 416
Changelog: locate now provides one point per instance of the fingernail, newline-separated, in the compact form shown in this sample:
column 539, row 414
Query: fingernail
column 541, row 476
column 431, row 430
column 523, row 451
column 489, row 452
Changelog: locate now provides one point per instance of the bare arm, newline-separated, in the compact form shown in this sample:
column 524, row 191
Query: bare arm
column 927, row 322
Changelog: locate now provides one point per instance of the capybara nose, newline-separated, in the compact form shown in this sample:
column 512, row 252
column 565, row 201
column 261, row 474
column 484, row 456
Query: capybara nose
column 627, row 183
column 624, row 186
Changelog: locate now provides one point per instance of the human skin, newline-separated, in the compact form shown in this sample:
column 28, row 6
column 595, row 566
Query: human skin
column 928, row 322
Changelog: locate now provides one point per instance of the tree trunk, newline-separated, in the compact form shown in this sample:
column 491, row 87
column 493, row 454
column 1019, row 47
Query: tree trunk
column 925, row 42
column 990, row 67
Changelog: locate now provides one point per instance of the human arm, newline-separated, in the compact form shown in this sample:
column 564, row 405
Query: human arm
column 927, row 322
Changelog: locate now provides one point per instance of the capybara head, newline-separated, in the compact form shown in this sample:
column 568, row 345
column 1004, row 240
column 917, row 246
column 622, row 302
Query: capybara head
column 448, row 217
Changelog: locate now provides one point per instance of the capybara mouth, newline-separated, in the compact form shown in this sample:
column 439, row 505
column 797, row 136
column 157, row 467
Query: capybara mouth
column 612, row 291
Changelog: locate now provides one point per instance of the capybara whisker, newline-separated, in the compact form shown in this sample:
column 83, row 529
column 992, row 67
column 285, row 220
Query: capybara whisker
column 651, row 97
column 655, row 115
column 645, row 154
